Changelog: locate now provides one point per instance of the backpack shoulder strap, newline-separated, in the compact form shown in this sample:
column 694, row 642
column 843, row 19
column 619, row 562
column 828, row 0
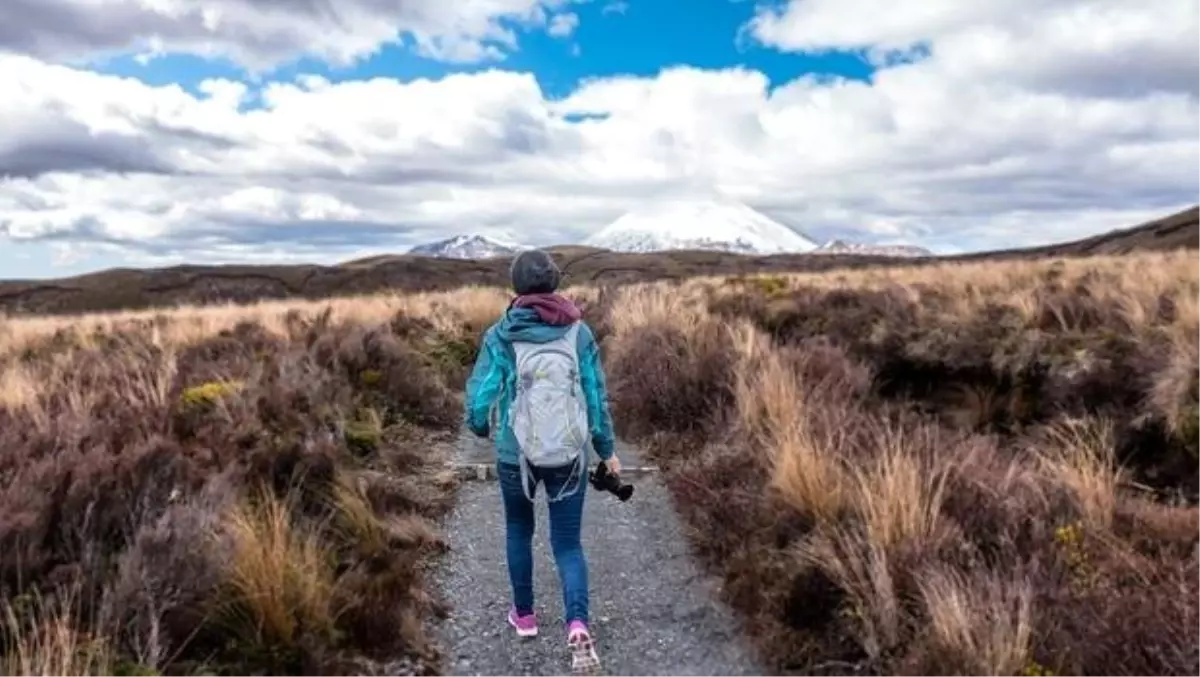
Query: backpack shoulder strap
column 571, row 338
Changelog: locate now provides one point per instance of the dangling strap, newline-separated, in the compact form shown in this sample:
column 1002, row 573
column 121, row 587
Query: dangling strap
column 574, row 481
column 523, row 462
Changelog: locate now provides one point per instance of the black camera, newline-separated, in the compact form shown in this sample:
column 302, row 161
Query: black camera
column 602, row 480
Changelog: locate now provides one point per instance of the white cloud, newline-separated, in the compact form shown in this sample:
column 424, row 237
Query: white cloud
column 614, row 7
column 969, row 147
column 261, row 34
column 562, row 25
column 1089, row 46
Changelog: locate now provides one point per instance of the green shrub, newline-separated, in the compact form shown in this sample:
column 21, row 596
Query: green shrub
column 364, row 433
column 208, row 394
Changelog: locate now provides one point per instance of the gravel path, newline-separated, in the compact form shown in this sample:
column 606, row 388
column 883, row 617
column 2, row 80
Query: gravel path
column 653, row 611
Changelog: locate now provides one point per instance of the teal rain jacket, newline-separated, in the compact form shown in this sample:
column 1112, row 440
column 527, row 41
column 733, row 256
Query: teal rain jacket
column 493, row 381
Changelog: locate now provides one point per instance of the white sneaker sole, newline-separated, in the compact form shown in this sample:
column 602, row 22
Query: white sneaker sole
column 584, row 660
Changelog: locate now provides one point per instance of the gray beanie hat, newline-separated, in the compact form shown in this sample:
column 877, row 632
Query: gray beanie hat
column 534, row 272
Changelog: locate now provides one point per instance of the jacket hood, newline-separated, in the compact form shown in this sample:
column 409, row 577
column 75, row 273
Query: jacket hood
column 525, row 324
column 552, row 308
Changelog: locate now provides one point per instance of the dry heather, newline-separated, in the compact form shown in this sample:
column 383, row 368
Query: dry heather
column 971, row 468
column 230, row 490
column 978, row 468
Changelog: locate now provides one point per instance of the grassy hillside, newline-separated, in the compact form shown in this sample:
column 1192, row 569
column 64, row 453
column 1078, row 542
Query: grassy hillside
column 136, row 289
column 986, row 468
column 1176, row 231
column 124, row 289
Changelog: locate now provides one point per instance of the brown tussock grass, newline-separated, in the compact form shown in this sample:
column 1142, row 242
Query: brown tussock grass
column 861, row 567
column 773, row 408
column 808, row 474
column 899, row 493
column 984, row 625
column 18, row 388
column 1174, row 392
column 43, row 639
column 1080, row 455
column 355, row 516
column 280, row 578
column 654, row 305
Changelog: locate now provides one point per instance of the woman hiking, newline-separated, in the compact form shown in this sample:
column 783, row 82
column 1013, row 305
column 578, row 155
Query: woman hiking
column 539, row 368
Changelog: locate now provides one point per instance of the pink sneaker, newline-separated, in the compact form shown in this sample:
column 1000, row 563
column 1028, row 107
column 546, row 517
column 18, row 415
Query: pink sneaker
column 584, row 660
column 526, row 625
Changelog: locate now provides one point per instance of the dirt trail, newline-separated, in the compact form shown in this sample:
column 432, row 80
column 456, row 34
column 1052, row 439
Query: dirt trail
column 653, row 611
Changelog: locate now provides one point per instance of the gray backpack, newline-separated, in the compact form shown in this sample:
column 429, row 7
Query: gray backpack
column 548, row 414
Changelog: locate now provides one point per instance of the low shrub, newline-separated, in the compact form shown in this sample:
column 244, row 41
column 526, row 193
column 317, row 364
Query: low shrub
column 956, row 471
column 192, row 491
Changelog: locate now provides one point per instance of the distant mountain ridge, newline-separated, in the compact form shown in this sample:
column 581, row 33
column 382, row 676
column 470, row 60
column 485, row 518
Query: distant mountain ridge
column 719, row 225
column 861, row 249
column 699, row 224
column 467, row 247
column 127, row 289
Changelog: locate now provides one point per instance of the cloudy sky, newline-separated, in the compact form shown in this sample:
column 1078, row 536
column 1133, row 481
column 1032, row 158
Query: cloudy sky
column 152, row 132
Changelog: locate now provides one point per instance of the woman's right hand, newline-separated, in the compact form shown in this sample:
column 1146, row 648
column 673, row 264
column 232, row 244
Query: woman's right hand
column 614, row 465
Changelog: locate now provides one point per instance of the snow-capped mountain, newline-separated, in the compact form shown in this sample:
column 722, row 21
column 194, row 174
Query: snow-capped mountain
column 861, row 249
column 467, row 247
column 721, row 225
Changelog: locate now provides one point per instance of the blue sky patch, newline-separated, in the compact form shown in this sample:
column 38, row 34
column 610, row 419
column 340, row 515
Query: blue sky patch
column 640, row 39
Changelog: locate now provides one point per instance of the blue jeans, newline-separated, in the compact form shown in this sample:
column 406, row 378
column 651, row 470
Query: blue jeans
column 566, row 517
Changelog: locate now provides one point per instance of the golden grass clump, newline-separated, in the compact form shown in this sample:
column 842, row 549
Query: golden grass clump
column 898, row 493
column 280, row 579
column 984, row 625
column 1081, row 456
column 42, row 638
